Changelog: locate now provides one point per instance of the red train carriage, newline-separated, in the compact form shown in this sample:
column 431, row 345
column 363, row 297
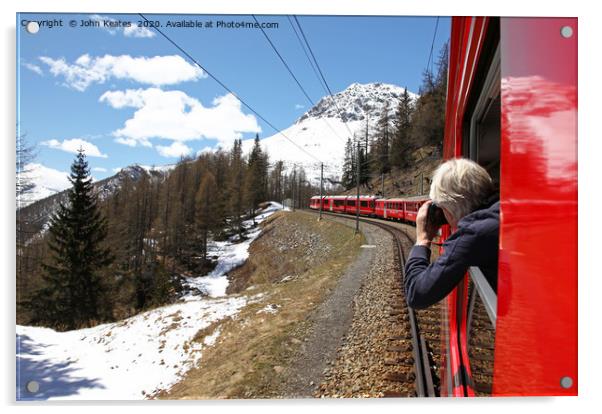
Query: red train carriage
column 337, row 204
column 379, row 207
column 393, row 209
column 366, row 205
column 327, row 203
column 314, row 203
column 512, row 107
column 411, row 207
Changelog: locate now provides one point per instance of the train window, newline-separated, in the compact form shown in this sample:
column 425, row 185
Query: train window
column 482, row 143
column 351, row 203
column 363, row 204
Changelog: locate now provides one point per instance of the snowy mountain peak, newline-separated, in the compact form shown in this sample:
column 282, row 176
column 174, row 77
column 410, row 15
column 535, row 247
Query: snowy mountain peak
column 323, row 130
column 357, row 102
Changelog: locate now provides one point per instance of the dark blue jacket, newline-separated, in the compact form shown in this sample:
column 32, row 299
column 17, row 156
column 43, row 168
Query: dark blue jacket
column 475, row 243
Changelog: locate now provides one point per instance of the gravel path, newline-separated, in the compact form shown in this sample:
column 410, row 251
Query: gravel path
column 338, row 358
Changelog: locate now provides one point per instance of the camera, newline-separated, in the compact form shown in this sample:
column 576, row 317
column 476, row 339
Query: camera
column 435, row 217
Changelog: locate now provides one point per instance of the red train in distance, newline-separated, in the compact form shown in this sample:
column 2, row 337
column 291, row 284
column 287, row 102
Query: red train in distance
column 512, row 107
column 401, row 209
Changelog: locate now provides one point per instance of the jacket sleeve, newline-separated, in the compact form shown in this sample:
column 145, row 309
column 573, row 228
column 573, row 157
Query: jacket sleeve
column 425, row 283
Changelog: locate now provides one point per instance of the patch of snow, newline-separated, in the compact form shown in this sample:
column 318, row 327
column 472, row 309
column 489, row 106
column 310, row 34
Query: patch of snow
column 287, row 278
column 230, row 255
column 141, row 355
column 271, row 308
column 210, row 339
column 129, row 359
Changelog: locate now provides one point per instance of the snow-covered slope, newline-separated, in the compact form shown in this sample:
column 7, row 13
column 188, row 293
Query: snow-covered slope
column 49, row 182
column 322, row 132
column 134, row 358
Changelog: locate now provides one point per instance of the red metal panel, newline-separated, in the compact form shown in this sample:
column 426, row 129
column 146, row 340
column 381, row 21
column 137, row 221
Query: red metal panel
column 536, row 338
column 466, row 43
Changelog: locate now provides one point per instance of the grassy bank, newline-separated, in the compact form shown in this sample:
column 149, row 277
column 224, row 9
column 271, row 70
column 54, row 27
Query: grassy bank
column 294, row 264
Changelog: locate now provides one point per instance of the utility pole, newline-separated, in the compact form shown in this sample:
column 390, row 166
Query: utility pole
column 357, row 181
column 321, row 189
column 382, row 184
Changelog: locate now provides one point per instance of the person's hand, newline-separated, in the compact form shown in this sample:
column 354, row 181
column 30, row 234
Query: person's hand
column 424, row 235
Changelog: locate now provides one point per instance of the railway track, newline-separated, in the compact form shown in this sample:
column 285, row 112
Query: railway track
column 413, row 349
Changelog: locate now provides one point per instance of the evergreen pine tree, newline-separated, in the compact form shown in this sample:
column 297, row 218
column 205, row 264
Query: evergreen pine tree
column 428, row 120
column 382, row 162
column 348, row 176
column 72, row 295
column 400, row 145
column 256, row 179
column 236, row 186
column 365, row 155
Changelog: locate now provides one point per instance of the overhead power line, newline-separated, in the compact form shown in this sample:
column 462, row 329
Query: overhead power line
column 293, row 75
column 304, row 48
column 249, row 107
column 283, row 61
column 322, row 74
column 428, row 65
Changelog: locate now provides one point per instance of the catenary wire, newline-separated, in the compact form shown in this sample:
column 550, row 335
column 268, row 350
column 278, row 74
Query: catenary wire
column 428, row 65
column 322, row 74
column 227, row 88
column 293, row 75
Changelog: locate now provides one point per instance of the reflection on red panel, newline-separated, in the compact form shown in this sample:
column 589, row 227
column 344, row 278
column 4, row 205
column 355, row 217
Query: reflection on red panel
column 536, row 337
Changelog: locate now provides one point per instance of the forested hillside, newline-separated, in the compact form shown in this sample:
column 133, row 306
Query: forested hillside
column 158, row 228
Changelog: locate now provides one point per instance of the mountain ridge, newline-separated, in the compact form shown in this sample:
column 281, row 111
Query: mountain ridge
column 322, row 131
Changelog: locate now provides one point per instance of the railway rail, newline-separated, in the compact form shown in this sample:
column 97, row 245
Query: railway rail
column 413, row 348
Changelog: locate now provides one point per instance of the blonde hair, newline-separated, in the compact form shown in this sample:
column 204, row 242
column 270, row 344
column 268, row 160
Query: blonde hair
column 461, row 186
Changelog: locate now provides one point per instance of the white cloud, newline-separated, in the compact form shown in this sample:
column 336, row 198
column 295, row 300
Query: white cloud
column 175, row 150
column 140, row 32
column 131, row 31
column 73, row 145
column 175, row 116
column 34, row 68
column 99, row 169
column 131, row 142
column 156, row 70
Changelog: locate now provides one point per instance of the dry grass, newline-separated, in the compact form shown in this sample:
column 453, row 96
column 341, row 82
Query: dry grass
column 254, row 349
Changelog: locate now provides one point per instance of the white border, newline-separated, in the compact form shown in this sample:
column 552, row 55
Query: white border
column 590, row 211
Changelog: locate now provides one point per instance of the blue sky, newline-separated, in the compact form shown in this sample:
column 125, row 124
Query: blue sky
column 126, row 96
